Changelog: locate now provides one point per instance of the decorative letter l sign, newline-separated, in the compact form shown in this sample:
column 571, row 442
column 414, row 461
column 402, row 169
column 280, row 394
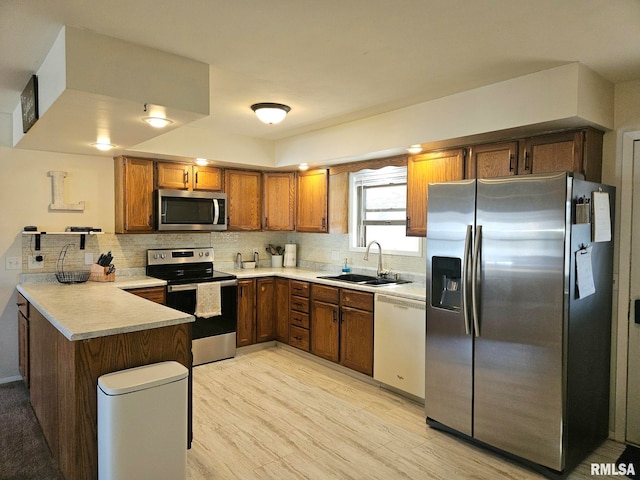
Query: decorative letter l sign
column 58, row 194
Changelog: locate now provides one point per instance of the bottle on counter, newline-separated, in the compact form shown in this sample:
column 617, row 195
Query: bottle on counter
column 345, row 267
column 238, row 260
column 256, row 258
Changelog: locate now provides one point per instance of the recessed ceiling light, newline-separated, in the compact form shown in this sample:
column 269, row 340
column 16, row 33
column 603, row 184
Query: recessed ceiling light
column 157, row 122
column 103, row 146
column 202, row 161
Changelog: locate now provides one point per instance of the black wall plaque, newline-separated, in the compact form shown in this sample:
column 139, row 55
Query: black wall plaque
column 29, row 102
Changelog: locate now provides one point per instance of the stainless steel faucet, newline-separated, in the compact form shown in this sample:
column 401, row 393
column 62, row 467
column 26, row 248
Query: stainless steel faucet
column 366, row 256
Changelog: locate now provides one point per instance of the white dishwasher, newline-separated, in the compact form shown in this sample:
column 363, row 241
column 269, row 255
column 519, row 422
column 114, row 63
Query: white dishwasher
column 399, row 343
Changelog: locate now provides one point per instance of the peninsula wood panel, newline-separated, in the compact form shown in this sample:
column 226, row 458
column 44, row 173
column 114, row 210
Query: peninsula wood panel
column 65, row 387
column 279, row 209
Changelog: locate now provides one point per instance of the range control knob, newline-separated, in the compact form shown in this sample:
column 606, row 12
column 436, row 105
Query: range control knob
column 206, row 254
column 163, row 255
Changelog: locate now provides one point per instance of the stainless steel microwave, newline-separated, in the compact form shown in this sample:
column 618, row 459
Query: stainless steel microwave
column 190, row 210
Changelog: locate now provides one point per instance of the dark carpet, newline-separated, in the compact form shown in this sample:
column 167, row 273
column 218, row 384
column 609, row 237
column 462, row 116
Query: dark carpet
column 24, row 454
column 631, row 455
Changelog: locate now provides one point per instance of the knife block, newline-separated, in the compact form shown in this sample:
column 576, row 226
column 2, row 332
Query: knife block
column 98, row 273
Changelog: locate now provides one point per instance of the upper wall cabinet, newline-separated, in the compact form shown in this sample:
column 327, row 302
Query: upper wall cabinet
column 423, row 169
column 133, row 195
column 279, row 202
column 492, row 160
column 577, row 151
column 244, row 198
column 183, row 176
column 312, row 203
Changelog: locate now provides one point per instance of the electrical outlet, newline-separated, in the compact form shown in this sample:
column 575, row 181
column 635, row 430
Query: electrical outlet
column 88, row 258
column 34, row 264
column 13, row 263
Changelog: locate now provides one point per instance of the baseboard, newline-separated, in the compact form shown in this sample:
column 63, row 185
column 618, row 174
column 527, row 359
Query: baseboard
column 10, row 379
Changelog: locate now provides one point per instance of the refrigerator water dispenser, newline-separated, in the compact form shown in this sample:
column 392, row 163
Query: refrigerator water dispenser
column 446, row 283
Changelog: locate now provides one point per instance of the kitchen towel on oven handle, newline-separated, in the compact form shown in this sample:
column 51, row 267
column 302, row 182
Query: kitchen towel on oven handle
column 208, row 300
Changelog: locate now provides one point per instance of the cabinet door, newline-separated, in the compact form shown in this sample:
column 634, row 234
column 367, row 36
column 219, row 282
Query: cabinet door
column 23, row 347
column 246, row 333
column 279, row 201
column 312, row 203
column 174, row 175
column 553, row 153
column 133, row 195
column 244, row 195
column 325, row 330
column 429, row 167
column 493, row 160
column 207, row 178
column 155, row 294
column 356, row 340
column 266, row 307
column 282, row 310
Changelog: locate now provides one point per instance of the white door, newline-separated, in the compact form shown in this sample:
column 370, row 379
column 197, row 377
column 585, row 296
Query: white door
column 633, row 386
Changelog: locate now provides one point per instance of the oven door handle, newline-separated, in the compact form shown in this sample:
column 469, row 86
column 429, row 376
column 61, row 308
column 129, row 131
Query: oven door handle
column 193, row 286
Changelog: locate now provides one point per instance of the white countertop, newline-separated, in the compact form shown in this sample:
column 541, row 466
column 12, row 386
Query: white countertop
column 415, row 291
column 91, row 309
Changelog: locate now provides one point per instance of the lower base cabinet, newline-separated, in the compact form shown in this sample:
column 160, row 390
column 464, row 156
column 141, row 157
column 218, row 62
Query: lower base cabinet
column 256, row 311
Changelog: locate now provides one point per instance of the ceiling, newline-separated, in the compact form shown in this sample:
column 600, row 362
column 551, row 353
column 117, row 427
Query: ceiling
column 337, row 60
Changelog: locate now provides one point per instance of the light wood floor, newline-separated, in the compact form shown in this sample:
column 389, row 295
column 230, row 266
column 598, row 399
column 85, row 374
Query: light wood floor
column 273, row 414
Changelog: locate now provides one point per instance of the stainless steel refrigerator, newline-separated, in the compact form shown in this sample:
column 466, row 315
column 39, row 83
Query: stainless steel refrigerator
column 517, row 353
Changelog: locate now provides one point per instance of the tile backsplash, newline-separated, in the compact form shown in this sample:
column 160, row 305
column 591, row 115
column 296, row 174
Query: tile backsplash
column 316, row 251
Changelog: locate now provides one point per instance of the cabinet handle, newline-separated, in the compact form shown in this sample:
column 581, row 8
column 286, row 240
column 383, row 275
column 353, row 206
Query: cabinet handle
column 21, row 304
column 241, row 290
column 196, row 178
column 266, row 221
column 324, row 223
column 511, row 162
column 335, row 318
column 400, row 377
column 526, row 160
column 408, row 222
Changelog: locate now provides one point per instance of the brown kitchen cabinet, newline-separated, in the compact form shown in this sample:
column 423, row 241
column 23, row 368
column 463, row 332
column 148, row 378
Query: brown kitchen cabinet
column 312, row 201
column 183, row 176
column 356, row 330
column 155, row 294
column 133, row 195
column 574, row 151
column 282, row 310
column 244, row 198
column 325, row 326
column 266, row 309
column 429, row 167
column 299, row 323
column 23, row 338
column 279, row 201
column 246, row 330
column 493, row 160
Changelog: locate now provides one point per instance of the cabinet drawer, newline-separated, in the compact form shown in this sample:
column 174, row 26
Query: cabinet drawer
column 325, row 293
column 299, row 288
column 155, row 294
column 299, row 319
column 356, row 299
column 23, row 305
column 299, row 304
column 299, row 338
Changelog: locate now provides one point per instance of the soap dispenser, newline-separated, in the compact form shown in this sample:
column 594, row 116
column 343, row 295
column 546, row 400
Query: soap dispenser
column 345, row 267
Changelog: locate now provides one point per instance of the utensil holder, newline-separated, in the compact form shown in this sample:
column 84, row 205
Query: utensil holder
column 98, row 273
column 276, row 261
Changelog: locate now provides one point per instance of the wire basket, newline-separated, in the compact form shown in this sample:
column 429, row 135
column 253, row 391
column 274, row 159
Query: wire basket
column 68, row 277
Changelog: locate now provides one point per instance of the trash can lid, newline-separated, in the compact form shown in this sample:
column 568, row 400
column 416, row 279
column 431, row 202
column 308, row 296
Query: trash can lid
column 141, row 378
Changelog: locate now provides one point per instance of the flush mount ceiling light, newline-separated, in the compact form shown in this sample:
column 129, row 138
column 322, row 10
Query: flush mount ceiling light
column 414, row 149
column 157, row 119
column 202, row 161
column 303, row 167
column 270, row 112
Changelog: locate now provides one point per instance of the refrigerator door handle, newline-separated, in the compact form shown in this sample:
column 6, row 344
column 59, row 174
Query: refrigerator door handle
column 474, row 280
column 465, row 279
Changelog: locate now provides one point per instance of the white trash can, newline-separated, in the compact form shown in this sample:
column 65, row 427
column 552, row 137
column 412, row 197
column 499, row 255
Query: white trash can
column 142, row 423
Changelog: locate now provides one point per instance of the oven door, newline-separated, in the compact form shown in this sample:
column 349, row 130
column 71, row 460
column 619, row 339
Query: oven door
column 214, row 338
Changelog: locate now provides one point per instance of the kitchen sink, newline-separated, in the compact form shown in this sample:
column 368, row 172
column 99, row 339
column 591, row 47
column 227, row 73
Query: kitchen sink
column 363, row 279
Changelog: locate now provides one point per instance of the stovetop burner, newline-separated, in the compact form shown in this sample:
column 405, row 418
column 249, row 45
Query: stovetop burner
column 184, row 265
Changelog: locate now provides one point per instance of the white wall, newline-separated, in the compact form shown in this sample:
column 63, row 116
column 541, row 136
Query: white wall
column 25, row 195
